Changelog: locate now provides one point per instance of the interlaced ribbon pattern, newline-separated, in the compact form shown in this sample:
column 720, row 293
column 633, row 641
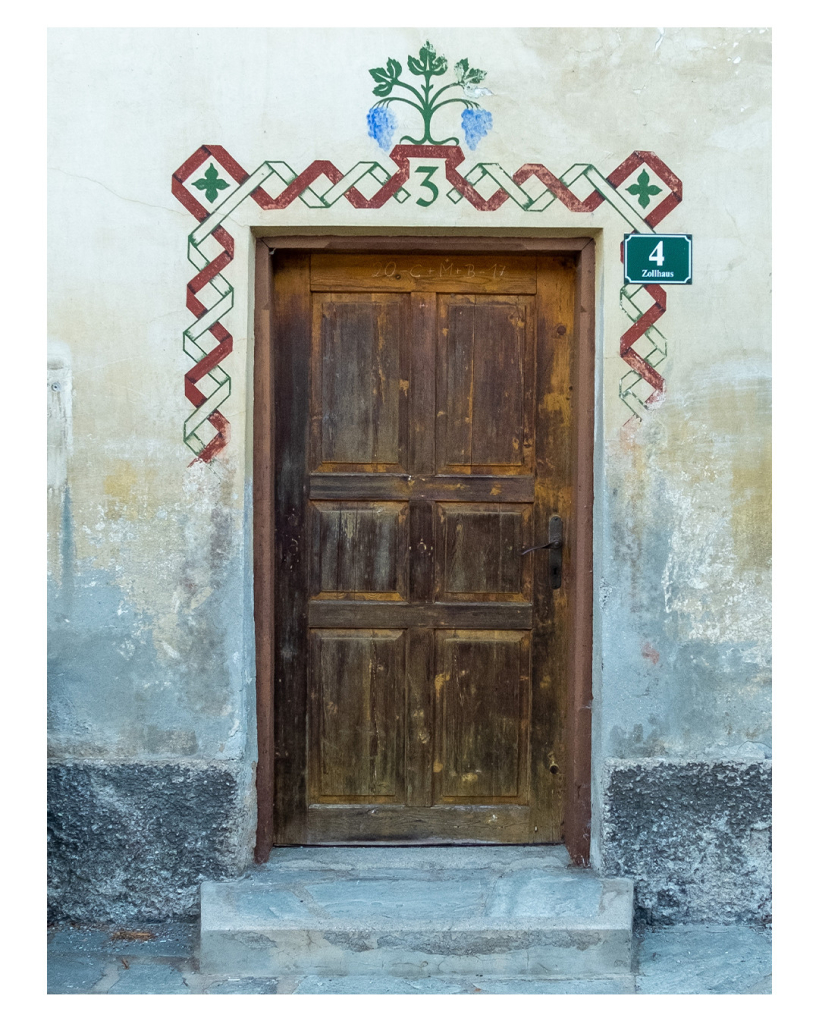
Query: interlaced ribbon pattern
column 533, row 187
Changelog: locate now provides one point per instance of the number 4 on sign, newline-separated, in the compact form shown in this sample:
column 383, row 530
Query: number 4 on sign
column 657, row 255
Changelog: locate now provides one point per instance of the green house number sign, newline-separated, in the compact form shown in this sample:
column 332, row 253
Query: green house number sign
column 657, row 259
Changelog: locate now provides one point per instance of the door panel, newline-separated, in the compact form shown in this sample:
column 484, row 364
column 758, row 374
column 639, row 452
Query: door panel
column 359, row 390
column 357, row 679
column 478, row 547
column 360, row 550
column 421, row 657
column 482, row 691
column 485, row 383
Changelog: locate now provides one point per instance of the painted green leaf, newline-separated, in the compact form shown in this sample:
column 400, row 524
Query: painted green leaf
column 427, row 54
column 643, row 190
column 211, row 184
column 393, row 69
column 465, row 75
column 415, row 65
column 379, row 74
column 384, row 89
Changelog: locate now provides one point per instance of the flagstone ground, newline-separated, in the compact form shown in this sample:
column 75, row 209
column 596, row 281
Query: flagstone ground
column 162, row 959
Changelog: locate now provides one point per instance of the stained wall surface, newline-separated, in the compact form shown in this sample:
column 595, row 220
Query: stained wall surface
column 151, row 690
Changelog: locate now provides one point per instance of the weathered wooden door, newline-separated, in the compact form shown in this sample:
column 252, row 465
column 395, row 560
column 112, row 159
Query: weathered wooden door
column 422, row 445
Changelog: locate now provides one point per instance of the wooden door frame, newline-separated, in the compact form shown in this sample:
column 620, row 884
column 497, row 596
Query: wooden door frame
column 577, row 807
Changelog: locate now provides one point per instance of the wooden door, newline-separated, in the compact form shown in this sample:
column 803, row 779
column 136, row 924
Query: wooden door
column 422, row 443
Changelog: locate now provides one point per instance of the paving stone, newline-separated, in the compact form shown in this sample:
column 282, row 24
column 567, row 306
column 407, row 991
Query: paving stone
column 73, row 974
column 163, row 939
column 719, row 959
column 149, row 979
column 669, row 960
column 241, row 987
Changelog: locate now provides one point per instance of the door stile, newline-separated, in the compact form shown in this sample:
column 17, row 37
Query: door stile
column 420, row 647
column 577, row 800
column 555, row 327
column 419, row 717
column 291, row 313
column 263, row 542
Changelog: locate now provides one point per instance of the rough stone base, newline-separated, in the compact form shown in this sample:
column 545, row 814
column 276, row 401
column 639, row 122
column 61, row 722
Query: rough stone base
column 694, row 836
column 133, row 841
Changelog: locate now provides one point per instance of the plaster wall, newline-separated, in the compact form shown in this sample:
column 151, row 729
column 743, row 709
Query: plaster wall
column 150, row 567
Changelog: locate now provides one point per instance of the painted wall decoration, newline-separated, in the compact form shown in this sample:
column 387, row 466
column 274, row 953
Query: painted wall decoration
column 428, row 98
column 642, row 189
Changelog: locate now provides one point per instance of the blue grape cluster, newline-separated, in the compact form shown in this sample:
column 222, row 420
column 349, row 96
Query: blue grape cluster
column 475, row 123
column 381, row 124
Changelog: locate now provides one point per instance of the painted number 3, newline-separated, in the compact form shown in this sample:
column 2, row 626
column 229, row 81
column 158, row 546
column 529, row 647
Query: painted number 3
column 427, row 183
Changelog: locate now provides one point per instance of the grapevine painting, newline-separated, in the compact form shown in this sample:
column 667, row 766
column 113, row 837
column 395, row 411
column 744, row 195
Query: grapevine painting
column 426, row 97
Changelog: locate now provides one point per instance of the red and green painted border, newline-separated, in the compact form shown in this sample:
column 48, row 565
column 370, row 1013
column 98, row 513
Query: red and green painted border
column 532, row 187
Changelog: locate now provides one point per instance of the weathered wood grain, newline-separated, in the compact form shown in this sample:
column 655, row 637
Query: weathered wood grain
column 434, row 615
column 577, row 799
column 485, row 386
column 480, row 547
column 554, row 496
column 291, row 561
column 432, row 273
column 482, row 700
column 357, row 715
column 403, row 486
column 405, row 825
column 359, row 550
column 406, row 244
column 263, row 576
column 430, row 701
column 359, row 386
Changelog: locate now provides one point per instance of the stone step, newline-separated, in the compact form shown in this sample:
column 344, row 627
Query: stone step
column 418, row 912
column 413, row 858
column 452, row 984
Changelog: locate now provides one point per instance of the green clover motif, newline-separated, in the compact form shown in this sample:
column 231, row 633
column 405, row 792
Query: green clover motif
column 211, row 184
column 643, row 190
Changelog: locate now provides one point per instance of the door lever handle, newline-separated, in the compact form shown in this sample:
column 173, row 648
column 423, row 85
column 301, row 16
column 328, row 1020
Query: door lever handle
column 555, row 549
column 540, row 547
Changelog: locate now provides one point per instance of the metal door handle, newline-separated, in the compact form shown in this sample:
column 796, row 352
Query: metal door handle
column 555, row 549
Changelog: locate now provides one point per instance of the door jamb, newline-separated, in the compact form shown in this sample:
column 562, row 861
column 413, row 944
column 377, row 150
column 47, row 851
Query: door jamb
column 577, row 799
